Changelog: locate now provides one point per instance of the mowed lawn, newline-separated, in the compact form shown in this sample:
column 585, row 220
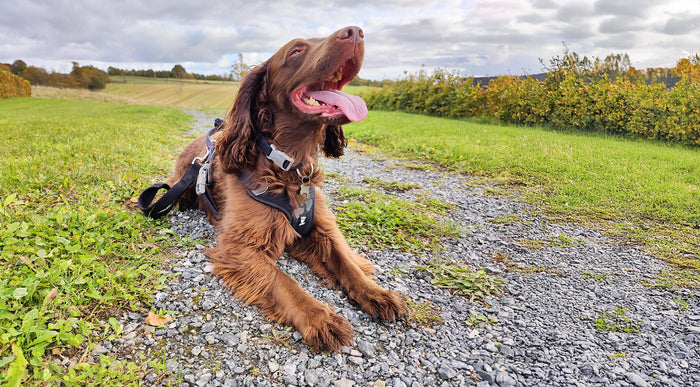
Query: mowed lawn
column 185, row 95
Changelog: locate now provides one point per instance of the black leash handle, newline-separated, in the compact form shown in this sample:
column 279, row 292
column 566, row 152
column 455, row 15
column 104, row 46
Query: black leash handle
column 172, row 195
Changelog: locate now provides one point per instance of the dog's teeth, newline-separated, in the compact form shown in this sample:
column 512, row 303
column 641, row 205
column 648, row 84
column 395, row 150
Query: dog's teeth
column 311, row 101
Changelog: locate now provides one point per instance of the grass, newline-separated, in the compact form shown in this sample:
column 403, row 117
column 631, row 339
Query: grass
column 616, row 321
column 647, row 192
column 377, row 221
column 475, row 285
column 72, row 251
column 481, row 320
column 46, row 92
column 183, row 95
column 423, row 314
column 396, row 186
column 589, row 276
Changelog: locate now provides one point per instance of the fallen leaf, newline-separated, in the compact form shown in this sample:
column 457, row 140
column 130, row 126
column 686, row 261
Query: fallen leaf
column 154, row 320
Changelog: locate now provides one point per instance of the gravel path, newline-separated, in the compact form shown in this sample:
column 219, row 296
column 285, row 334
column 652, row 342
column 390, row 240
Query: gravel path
column 559, row 280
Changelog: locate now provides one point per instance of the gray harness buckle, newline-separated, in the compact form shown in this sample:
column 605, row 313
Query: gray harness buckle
column 280, row 158
column 202, row 180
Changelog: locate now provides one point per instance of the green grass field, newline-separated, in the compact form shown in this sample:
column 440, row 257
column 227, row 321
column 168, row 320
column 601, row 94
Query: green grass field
column 646, row 191
column 73, row 250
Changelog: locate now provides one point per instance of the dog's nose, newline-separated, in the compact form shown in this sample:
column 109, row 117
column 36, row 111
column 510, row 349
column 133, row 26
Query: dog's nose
column 353, row 34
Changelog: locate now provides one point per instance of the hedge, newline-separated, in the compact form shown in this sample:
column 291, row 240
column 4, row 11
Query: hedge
column 564, row 100
column 13, row 86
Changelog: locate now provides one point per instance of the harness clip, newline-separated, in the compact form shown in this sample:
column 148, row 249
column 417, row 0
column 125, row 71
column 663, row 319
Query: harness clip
column 202, row 179
column 280, row 158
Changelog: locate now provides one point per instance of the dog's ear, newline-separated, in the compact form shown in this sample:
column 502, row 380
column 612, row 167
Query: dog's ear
column 334, row 142
column 236, row 145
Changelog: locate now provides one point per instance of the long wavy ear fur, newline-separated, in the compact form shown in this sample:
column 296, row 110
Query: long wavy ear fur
column 335, row 141
column 236, row 146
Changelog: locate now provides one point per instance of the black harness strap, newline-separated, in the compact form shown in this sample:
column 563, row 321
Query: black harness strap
column 197, row 173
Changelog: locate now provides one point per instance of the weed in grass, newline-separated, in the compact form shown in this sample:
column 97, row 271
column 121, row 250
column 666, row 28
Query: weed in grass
column 564, row 241
column 676, row 279
column 616, row 321
column 336, row 176
column 531, row 244
column 395, row 186
column 377, row 221
column 280, row 338
column 682, row 305
column 506, row 219
column 418, row 166
column 481, row 320
column 475, row 285
column 425, row 313
column 589, row 276
column 398, row 271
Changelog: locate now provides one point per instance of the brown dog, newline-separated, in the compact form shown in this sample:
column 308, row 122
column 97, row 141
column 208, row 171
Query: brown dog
column 293, row 101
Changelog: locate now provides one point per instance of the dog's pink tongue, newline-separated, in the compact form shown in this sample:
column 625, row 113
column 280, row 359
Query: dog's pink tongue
column 352, row 106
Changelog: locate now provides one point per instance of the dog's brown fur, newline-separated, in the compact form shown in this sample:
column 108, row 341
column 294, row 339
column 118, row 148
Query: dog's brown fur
column 251, row 235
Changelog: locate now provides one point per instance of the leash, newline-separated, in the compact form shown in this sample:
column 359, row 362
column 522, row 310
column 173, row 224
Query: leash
column 198, row 174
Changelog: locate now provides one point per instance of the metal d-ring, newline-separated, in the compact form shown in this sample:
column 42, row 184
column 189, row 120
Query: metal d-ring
column 306, row 179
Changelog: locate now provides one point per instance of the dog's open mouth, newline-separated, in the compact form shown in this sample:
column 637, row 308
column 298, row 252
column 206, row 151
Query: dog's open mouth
column 326, row 99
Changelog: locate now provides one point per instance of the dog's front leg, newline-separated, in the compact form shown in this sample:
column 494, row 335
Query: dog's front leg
column 329, row 255
column 253, row 276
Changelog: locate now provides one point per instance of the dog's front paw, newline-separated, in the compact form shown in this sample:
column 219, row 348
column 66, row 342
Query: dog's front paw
column 326, row 330
column 382, row 303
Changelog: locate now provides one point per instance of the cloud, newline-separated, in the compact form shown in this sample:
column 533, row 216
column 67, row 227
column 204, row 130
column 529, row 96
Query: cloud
column 475, row 37
column 682, row 25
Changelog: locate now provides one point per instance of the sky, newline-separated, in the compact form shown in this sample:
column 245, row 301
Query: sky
column 471, row 37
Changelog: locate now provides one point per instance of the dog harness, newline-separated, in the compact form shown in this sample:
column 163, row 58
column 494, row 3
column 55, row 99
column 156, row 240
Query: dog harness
column 300, row 215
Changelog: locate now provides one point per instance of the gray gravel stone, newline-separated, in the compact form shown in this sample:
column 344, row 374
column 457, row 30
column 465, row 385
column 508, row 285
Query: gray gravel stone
column 545, row 319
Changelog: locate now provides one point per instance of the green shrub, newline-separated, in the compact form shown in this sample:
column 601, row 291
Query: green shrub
column 565, row 100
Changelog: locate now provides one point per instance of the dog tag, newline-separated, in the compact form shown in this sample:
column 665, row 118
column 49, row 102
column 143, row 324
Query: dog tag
column 305, row 189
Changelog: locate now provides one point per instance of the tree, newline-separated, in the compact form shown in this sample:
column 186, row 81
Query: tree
column 178, row 72
column 36, row 76
column 689, row 68
column 18, row 67
column 87, row 77
column 239, row 69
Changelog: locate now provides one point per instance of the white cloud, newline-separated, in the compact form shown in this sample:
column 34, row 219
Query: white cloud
column 475, row 37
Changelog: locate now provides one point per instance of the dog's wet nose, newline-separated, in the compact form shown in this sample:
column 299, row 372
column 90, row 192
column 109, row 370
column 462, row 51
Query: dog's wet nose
column 353, row 34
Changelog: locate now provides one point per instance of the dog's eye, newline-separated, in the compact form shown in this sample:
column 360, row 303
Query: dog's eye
column 296, row 51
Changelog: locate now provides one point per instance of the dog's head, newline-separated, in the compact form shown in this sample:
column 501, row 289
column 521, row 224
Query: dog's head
column 298, row 90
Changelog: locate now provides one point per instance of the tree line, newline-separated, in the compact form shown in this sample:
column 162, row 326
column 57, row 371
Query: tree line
column 177, row 72
column 80, row 77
